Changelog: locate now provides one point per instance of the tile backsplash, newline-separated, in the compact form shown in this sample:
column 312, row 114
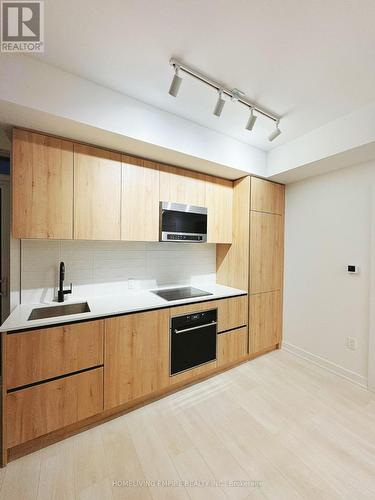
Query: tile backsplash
column 103, row 268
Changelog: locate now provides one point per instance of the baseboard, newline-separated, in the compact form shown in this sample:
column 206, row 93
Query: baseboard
column 327, row 365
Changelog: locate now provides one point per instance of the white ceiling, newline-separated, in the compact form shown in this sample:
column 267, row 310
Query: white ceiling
column 309, row 61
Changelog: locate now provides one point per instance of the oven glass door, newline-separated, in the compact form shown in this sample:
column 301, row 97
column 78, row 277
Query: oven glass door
column 183, row 222
column 192, row 348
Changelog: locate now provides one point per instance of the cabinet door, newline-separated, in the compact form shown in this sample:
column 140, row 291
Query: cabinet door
column 266, row 252
column 140, row 200
column 136, row 356
column 232, row 346
column 265, row 321
column 267, row 196
column 42, row 183
column 43, row 408
column 182, row 186
column 97, row 193
column 37, row 355
column 219, row 201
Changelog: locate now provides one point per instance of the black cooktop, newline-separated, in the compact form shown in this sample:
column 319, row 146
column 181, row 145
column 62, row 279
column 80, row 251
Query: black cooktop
column 186, row 292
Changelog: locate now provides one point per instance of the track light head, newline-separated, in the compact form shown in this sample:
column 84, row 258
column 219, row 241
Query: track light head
column 176, row 83
column 219, row 104
column 251, row 121
column 275, row 133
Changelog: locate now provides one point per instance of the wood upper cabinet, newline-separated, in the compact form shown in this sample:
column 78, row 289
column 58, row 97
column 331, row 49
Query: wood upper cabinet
column 97, row 193
column 136, row 356
column 43, row 408
column 265, row 321
column 37, row 355
column 267, row 196
column 219, row 201
column 266, row 252
column 140, row 200
column 42, row 178
column 178, row 185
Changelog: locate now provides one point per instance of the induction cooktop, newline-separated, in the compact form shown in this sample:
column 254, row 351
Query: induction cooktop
column 186, row 292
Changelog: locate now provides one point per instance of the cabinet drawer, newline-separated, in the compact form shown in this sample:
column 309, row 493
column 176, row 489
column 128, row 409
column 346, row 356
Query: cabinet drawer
column 232, row 346
column 49, row 406
column 232, row 313
column 50, row 352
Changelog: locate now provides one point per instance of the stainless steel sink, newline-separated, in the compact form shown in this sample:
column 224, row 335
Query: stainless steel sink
column 52, row 311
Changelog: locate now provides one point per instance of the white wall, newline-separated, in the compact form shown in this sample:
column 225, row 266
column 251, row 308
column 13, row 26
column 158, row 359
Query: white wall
column 100, row 268
column 34, row 85
column 327, row 228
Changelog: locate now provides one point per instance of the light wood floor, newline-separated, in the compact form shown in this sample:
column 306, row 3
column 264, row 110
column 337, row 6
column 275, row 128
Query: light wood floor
column 299, row 431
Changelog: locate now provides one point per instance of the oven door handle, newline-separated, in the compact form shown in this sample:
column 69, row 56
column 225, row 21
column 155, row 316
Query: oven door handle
column 196, row 327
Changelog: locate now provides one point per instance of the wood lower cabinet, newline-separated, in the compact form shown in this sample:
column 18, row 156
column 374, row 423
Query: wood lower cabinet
column 136, row 356
column 232, row 346
column 140, row 200
column 42, row 184
column 178, row 185
column 266, row 252
column 219, row 201
column 97, row 193
column 265, row 321
column 43, row 408
column 37, row 355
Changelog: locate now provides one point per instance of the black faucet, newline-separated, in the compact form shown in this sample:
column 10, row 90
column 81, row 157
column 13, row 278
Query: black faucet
column 61, row 292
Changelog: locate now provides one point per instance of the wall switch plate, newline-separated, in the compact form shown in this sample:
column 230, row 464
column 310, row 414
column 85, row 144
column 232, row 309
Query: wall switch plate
column 351, row 343
column 131, row 283
column 351, row 269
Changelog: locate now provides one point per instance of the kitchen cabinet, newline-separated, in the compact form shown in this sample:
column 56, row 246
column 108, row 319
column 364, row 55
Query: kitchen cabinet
column 266, row 252
column 140, row 200
column 136, row 356
column 219, row 201
column 97, row 193
column 267, row 196
column 178, row 185
column 42, row 184
column 265, row 321
column 43, row 408
column 232, row 346
column 37, row 355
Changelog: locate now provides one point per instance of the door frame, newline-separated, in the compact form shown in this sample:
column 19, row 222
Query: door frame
column 371, row 330
column 5, row 245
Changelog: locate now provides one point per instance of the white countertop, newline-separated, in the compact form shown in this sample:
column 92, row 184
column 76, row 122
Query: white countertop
column 111, row 305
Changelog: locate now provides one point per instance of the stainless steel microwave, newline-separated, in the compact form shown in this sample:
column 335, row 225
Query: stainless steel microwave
column 182, row 223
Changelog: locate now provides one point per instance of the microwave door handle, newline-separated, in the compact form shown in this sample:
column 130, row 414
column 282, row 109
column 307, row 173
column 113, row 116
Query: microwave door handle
column 195, row 327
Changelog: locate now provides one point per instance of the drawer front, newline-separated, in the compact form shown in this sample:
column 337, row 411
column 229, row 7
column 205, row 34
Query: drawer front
column 232, row 313
column 44, row 408
column 232, row 346
column 42, row 354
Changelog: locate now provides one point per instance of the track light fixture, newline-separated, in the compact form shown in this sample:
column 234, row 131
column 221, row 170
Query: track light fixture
column 275, row 133
column 219, row 104
column 251, row 121
column 234, row 95
column 176, row 82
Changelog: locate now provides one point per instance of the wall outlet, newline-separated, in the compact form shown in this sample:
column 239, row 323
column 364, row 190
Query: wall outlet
column 131, row 283
column 351, row 343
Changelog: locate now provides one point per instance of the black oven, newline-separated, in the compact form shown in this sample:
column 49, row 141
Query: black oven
column 192, row 340
column 182, row 223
